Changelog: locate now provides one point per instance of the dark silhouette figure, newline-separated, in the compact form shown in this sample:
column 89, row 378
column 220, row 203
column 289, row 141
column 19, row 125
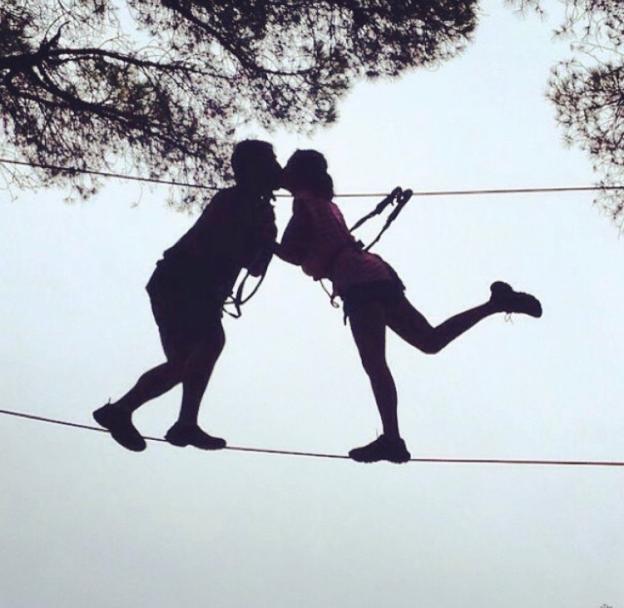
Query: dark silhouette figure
column 318, row 240
column 187, row 292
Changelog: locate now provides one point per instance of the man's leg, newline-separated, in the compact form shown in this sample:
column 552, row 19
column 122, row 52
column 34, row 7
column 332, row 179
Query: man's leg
column 196, row 373
column 153, row 383
column 117, row 417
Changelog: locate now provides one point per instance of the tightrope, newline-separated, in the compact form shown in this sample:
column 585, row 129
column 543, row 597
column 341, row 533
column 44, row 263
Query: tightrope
column 500, row 461
column 422, row 193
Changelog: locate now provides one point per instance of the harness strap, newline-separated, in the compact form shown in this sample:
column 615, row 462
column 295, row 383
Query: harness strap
column 402, row 200
column 389, row 200
column 398, row 196
column 237, row 300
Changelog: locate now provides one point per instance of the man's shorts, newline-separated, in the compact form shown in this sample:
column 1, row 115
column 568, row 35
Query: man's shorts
column 185, row 315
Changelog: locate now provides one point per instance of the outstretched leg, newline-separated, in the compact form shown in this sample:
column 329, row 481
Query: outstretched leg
column 368, row 326
column 412, row 326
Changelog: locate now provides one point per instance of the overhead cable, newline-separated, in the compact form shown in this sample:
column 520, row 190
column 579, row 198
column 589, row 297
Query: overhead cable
column 420, row 193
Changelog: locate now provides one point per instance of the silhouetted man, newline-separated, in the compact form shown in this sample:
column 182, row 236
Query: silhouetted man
column 187, row 292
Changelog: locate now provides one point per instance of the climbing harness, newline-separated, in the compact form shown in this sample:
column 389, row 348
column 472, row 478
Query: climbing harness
column 331, row 295
column 398, row 197
column 237, row 300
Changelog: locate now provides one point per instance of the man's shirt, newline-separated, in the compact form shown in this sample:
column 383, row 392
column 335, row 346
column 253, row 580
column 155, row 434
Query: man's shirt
column 234, row 231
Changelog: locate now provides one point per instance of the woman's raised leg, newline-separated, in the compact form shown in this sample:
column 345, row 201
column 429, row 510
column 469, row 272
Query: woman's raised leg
column 413, row 327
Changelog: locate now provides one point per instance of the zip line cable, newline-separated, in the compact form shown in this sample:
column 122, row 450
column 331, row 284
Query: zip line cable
column 502, row 461
column 105, row 174
column 486, row 191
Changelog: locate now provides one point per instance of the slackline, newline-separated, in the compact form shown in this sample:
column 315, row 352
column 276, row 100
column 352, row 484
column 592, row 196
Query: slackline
column 500, row 461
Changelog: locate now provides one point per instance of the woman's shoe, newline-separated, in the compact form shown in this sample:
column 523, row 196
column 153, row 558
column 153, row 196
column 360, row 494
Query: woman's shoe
column 505, row 299
column 383, row 448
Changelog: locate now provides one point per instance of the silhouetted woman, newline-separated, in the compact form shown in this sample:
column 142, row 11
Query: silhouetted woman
column 318, row 240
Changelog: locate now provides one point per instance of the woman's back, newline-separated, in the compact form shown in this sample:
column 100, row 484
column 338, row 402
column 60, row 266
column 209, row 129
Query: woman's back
column 327, row 248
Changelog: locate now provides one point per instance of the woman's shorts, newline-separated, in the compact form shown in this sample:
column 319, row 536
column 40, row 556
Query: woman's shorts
column 387, row 292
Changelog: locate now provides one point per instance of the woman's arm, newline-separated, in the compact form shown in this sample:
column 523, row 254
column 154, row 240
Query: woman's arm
column 293, row 248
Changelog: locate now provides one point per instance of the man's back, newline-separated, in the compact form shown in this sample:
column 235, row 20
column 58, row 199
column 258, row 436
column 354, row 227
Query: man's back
column 229, row 234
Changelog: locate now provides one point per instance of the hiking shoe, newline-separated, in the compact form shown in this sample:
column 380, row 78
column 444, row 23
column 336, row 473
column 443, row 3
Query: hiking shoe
column 507, row 300
column 383, row 448
column 119, row 424
column 182, row 435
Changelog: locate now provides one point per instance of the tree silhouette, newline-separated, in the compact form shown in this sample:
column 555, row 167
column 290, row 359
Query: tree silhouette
column 588, row 89
column 161, row 86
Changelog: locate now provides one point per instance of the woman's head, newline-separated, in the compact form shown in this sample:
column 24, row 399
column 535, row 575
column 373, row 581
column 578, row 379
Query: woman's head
column 306, row 170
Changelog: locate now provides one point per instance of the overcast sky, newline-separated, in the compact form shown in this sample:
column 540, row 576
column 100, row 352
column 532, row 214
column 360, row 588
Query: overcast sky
column 85, row 522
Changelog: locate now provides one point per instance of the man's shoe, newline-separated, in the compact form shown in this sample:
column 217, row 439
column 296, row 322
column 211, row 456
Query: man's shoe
column 182, row 435
column 119, row 423
column 383, row 448
column 507, row 300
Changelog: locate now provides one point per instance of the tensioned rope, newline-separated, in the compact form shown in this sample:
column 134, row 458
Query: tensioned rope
column 483, row 191
column 501, row 461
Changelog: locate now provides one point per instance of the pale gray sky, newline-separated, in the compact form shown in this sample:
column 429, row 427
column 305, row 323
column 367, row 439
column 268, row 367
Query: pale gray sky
column 86, row 523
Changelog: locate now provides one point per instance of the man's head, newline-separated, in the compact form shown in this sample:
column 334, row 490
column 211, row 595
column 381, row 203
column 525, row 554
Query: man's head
column 255, row 166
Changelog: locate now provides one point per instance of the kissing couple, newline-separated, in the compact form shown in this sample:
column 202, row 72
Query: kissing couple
column 237, row 231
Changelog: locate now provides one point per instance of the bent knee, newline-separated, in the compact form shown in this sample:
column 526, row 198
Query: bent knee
column 430, row 346
column 430, row 349
column 175, row 366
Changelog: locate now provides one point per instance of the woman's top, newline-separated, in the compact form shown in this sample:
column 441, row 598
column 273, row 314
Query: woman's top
column 318, row 240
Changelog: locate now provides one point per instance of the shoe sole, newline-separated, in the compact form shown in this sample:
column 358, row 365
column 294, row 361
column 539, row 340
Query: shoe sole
column 182, row 444
column 383, row 459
